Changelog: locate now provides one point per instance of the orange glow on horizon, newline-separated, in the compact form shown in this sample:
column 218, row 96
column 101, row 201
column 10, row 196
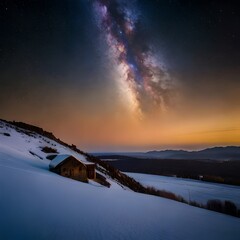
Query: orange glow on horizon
column 123, row 131
column 113, row 125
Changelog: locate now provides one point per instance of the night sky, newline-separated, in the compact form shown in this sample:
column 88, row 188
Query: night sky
column 123, row 75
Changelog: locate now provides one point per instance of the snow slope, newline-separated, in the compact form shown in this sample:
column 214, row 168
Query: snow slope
column 38, row 204
column 189, row 189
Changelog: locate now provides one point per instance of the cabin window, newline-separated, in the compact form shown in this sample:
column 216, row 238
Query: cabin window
column 64, row 169
column 80, row 168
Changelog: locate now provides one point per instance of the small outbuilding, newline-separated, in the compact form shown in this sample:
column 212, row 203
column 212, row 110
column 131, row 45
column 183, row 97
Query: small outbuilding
column 71, row 167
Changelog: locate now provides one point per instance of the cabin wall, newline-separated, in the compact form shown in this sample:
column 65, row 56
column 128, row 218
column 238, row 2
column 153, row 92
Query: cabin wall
column 73, row 169
column 91, row 173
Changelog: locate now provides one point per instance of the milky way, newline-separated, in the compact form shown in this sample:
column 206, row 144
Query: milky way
column 146, row 81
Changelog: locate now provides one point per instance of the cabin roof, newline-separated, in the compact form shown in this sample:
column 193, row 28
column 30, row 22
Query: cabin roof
column 62, row 157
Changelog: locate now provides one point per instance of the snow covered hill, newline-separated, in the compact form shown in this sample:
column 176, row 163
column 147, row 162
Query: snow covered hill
column 38, row 204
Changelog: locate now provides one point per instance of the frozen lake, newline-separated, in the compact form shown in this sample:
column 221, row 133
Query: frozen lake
column 189, row 189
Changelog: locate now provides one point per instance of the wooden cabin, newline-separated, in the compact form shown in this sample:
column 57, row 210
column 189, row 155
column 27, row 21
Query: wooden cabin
column 71, row 167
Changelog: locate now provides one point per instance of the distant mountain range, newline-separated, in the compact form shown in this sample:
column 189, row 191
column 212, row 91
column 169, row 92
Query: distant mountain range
column 215, row 153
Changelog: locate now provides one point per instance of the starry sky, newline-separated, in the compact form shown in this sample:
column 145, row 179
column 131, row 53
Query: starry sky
column 118, row 75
